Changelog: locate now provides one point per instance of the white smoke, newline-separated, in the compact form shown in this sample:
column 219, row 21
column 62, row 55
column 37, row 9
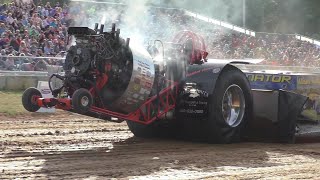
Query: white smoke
column 136, row 17
column 140, row 22
column 225, row 10
column 133, row 18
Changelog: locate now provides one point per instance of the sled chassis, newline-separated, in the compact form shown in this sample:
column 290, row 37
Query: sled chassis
column 176, row 92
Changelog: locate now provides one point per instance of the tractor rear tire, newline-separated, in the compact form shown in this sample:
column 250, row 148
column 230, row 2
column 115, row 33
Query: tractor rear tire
column 141, row 130
column 153, row 130
column 28, row 99
column 82, row 100
column 230, row 107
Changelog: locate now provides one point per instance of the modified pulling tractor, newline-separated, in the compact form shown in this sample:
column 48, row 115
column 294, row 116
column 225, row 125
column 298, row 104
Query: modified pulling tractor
column 173, row 93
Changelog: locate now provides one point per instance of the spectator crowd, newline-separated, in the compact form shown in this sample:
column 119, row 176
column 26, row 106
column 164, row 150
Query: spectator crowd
column 40, row 30
column 275, row 49
column 27, row 29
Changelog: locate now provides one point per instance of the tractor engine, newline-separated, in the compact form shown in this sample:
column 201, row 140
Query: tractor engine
column 121, row 75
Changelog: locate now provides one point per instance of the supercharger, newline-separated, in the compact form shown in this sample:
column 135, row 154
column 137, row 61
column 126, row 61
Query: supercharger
column 129, row 68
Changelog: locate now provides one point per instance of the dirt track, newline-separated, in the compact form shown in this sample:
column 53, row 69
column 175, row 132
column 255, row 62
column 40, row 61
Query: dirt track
column 77, row 147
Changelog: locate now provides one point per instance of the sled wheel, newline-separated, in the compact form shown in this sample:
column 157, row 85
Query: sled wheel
column 82, row 100
column 29, row 99
column 230, row 107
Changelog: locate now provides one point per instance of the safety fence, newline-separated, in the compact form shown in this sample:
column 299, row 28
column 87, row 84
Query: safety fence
column 21, row 72
column 247, row 31
column 266, row 35
column 30, row 63
column 304, row 38
column 220, row 23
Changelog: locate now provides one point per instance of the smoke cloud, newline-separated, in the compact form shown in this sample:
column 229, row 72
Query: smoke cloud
column 130, row 17
column 225, row 10
column 136, row 17
column 137, row 21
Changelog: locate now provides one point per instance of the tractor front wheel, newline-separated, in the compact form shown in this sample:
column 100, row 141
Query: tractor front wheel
column 82, row 101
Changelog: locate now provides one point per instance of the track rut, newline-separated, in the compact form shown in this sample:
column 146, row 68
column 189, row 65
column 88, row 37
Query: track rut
column 70, row 146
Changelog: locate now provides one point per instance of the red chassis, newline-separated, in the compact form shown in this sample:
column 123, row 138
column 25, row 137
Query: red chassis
column 154, row 107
